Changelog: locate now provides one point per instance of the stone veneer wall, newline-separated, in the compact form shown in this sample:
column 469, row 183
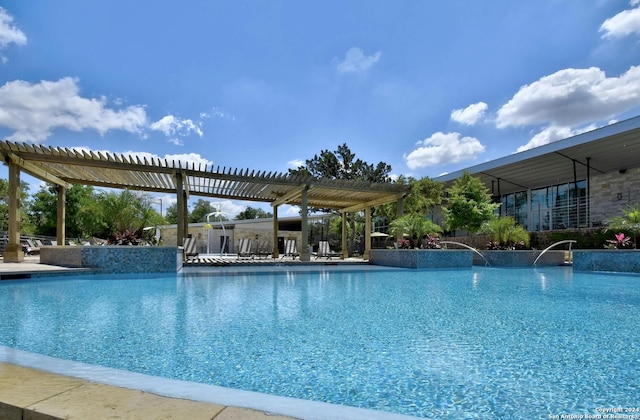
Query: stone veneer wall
column 618, row 260
column 421, row 258
column 115, row 259
column 611, row 192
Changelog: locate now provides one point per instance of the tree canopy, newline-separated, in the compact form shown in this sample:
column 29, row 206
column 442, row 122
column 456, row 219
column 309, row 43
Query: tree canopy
column 424, row 196
column 342, row 164
column 253, row 213
column 103, row 213
column 468, row 204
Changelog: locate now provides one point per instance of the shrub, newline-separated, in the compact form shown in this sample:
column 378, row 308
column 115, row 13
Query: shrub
column 505, row 233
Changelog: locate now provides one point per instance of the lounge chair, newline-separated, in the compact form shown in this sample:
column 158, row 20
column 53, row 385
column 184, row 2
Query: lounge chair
column 264, row 249
column 290, row 248
column 324, row 251
column 189, row 247
column 244, row 248
column 31, row 248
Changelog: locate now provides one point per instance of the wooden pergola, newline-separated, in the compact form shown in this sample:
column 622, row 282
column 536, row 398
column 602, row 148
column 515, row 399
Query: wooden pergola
column 65, row 167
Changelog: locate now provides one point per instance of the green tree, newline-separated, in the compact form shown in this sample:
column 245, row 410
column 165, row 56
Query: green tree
column 200, row 210
column 126, row 212
column 43, row 212
column 424, row 196
column 342, row 164
column 505, row 232
column 171, row 214
column 81, row 208
column 629, row 222
column 468, row 204
column 253, row 213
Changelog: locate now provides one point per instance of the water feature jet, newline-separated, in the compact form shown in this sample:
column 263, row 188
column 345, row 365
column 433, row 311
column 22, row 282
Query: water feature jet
column 569, row 241
column 468, row 247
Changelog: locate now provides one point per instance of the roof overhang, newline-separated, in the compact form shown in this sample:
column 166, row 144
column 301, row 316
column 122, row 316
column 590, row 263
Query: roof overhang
column 613, row 148
column 67, row 167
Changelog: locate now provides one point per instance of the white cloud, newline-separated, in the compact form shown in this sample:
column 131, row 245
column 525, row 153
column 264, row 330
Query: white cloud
column 296, row 163
column 35, row 110
column 356, row 62
column 571, row 97
column 171, row 126
column 623, row 24
column 469, row 115
column 442, row 149
column 552, row 134
column 176, row 141
column 9, row 34
column 288, row 210
column 190, row 158
column 228, row 208
column 218, row 113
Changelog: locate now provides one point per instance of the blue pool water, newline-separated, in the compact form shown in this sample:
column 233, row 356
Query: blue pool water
column 480, row 343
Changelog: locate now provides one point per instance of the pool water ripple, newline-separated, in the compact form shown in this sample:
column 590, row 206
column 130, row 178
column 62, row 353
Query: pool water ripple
column 481, row 343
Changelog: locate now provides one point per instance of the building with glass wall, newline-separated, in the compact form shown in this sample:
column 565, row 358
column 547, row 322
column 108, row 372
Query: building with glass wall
column 578, row 182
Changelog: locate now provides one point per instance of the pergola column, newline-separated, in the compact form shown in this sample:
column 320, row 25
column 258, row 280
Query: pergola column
column 185, row 214
column 13, row 249
column 367, row 232
column 304, row 209
column 61, row 225
column 275, row 253
column 181, row 228
column 345, row 250
column 399, row 214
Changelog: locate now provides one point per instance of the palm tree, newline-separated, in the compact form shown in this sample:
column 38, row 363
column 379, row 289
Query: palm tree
column 628, row 222
column 505, row 232
column 414, row 226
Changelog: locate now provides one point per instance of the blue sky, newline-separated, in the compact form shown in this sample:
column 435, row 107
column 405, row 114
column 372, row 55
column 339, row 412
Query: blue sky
column 427, row 87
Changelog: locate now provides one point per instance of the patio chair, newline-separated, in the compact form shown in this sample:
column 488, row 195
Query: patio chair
column 264, row 249
column 31, row 248
column 244, row 250
column 290, row 248
column 189, row 246
column 324, row 251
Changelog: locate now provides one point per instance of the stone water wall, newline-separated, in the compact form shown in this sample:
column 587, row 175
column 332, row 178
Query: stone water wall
column 115, row 259
column 421, row 258
column 615, row 260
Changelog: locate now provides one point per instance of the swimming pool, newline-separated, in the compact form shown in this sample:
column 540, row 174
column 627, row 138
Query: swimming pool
column 478, row 343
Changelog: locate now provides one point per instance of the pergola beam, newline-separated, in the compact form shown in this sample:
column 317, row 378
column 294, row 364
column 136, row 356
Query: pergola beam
column 373, row 203
column 36, row 171
column 289, row 196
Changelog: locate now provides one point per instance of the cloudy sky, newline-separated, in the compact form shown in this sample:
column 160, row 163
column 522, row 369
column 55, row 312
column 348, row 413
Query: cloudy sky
column 427, row 87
